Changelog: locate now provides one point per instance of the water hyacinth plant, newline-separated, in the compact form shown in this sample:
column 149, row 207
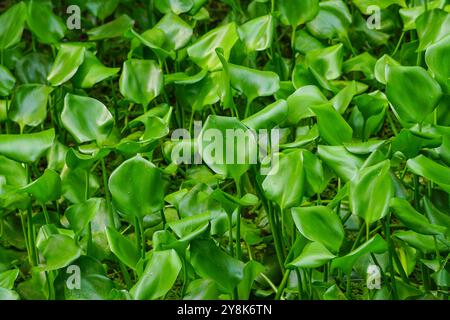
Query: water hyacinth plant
column 224, row 149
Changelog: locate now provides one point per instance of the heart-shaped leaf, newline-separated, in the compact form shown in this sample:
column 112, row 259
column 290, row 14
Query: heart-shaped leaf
column 141, row 81
column 319, row 224
column 86, row 118
column 136, row 188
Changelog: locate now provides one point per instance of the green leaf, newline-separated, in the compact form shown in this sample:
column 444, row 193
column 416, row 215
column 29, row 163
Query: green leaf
column 332, row 127
column 177, row 32
column 364, row 63
column 382, row 67
column 410, row 143
column 314, row 255
column 158, row 277
column 7, row 278
column 370, row 191
column 80, row 214
column 374, row 245
column 136, row 188
column 212, row 263
column 404, row 89
column 123, row 247
column 228, row 154
column 6, row 294
column 413, row 219
column 33, row 68
column 253, row 83
column 26, row 147
column 432, row 26
column 58, row 251
column 435, row 216
column 327, row 62
column 94, row 283
column 332, row 21
column 319, row 224
column 202, row 289
column 12, row 22
column 92, row 71
column 296, row 13
column 269, row 117
column 203, row 51
column 189, row 227
column 113, row 29
column 288, row 171
column 86, row 118
column 45, row 188
column 344, row 163
column 175, row 6
column 431, row 170
column 102, row 8
column 423, row 243
column 252, row 270
column 301, row 100
column 257, row 33
column 7, row 81
column 141, row 81
column 70, row 57
column 48, row 27
column 382, row 4
column 29, row 106
column 435, row 57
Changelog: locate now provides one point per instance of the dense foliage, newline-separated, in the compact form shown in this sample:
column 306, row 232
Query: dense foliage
column 95, row 203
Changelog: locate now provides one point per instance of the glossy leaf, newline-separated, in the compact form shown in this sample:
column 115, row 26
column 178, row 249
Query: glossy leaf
column 12, row 22
column 211, row 263
column 48, row 27
column 58, row 251
column 203, row 51
column 92, row 71
column 404, row 89
column 7, row 81
column 45, row 188
column 69, row 58
column 436, row 61
column 26, row 147
column 253, row 83
column 136, row 188
column 413, row 219
column 288, row 171
column 86, row 118
column 257, row 33
column 229, row 154
column 158, row 277
column 113, row 29
column 314, row 255
column 319, row 224
column 374, row 245
column 29, row 106
column 123, row 247
column 141, row 81
column 296, row 13
column 370, row 192
column 431, row 170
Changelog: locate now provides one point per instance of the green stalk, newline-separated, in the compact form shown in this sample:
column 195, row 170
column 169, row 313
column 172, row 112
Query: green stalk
column 107, row 194
column 238, row 221
column 390, row 249
column 47, row 217
column 299, row 283
column 282, row 284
